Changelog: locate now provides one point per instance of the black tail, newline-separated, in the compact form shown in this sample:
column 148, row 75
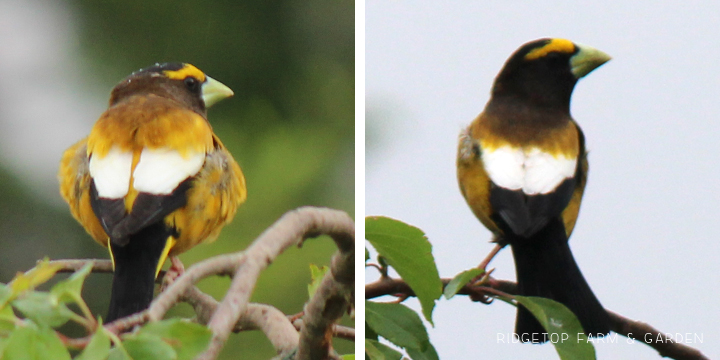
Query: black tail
column 545, row 267
column 134, row 276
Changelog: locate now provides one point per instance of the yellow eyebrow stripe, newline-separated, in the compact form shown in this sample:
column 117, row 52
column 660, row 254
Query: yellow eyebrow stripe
column 555, row 45
column 187, row 70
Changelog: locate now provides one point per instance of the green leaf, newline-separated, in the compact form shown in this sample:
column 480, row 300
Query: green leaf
column 31, row 343
column 29, row 280
column 377, row 351
column 3, row 343
column 5, row 328
column 70, row 289
column 20, row 344
column 563, row 328
column 7, row 314
column 317, row 275
column 370, row 333
column 5, row 295
column 408, row 251
column 43, row 309
column 367, row 255
column 186, row 338
column 460, row 280
column 50, row 345
column 348, row 357
column 7, row 320
column 397, row 323
column 428, row 354
column 118, row 354
column 149, row 347
column 98, row 348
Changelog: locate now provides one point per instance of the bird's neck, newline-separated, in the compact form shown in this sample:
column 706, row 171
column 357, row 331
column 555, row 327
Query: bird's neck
column 528, row 113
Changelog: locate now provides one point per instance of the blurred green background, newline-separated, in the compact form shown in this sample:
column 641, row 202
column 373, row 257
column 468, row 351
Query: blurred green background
column 290, row 124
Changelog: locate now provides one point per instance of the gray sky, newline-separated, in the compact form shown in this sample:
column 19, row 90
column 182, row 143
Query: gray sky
column 646, row 239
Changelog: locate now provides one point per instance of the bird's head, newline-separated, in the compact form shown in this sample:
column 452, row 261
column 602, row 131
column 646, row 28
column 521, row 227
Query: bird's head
column 180, row 82
column 545, row 71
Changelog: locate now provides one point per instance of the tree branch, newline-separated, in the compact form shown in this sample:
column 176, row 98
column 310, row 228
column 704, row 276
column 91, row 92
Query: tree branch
column 338, row 331
column 292, row 229
column 330, row 301
column 205, row 305
column 73, row 265
column 234, row 313
column 271, row 321
column 629, row 328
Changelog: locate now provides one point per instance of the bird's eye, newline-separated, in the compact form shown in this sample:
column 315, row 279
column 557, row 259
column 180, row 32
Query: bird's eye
column 191, row 83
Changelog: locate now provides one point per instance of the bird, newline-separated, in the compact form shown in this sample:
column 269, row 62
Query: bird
column 522, row 168
column 152, row 180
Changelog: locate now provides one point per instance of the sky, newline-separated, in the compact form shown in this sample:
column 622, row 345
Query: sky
column 646, row 239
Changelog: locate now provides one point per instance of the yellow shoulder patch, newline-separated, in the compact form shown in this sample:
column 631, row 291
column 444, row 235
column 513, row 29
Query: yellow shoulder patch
column 187, row 70
column 555, row 45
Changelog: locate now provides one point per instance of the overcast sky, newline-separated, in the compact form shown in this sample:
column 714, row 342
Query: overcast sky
column 646, row 239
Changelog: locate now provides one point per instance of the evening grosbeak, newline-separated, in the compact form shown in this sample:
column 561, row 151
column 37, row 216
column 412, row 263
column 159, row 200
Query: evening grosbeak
column 522, row 168
column 152, row 180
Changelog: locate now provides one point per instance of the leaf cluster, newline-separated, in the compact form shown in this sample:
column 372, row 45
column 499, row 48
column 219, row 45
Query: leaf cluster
column 406, row 249
column 29, row 319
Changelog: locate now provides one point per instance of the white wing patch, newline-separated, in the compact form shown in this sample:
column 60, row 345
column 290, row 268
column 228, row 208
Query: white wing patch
column 160, row 171
column 112, row 173
column 532, row 170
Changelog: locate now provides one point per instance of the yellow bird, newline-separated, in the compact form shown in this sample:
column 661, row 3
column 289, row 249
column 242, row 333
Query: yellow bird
column 152, row 180
column 522, row 167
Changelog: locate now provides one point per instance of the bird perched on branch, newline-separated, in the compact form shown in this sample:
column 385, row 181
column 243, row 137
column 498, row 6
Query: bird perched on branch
column 152, row 180
column 522, row 168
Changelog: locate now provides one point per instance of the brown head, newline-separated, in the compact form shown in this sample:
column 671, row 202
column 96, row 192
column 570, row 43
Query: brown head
column 179, row 82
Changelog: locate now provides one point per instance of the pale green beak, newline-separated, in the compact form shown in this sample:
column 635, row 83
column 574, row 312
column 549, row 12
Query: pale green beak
column 586, row 60
column 214, row 91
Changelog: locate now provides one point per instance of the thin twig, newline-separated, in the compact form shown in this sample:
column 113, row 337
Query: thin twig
column 222, row 264
column 632, row 329
column 338, row 331
column 490, row 256
column 661, row 342
column 72, row 265
column 100, row 266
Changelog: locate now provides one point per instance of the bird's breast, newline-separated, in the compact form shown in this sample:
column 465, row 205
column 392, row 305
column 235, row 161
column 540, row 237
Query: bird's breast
column 529, row 169
column 533, row 159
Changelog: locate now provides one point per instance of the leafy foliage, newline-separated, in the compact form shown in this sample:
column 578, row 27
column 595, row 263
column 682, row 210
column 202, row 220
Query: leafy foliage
column 317, row 274
column 563, row 328
column 34, row 336
column 398, row 324
column 406, row 249
column 459, row 281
